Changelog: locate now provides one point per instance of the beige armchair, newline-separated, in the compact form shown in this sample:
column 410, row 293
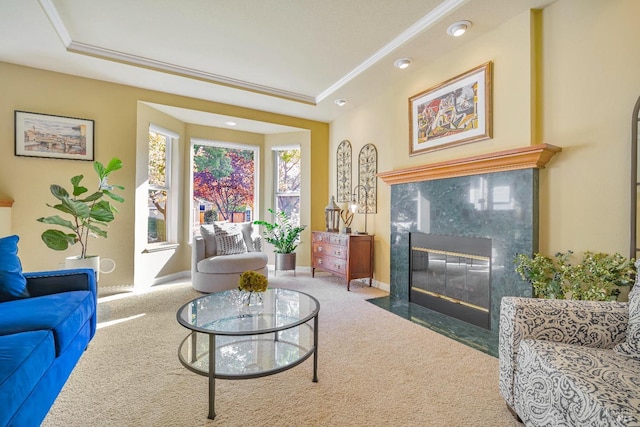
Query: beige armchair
column 222, row 252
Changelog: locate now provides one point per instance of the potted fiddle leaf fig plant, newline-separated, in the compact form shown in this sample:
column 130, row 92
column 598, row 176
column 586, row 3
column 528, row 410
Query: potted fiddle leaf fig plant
column 88, row 213
column 284, row 235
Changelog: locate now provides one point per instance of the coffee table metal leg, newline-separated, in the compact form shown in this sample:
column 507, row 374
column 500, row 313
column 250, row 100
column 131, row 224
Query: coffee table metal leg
column 212, row 376
column 315, row 349
column 194, row 347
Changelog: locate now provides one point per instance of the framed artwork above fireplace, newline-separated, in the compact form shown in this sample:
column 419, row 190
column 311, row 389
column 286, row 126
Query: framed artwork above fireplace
column 457, row 111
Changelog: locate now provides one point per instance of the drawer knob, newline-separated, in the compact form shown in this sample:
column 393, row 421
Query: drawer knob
column 320, row 249
column 320, row 262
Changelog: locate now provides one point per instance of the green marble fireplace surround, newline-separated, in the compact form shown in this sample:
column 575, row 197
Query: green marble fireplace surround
column 485, row 198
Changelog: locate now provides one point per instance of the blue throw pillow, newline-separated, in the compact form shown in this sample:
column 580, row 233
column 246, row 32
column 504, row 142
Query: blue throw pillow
column 13, row 285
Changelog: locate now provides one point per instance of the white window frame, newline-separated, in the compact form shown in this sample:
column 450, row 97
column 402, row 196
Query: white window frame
column 274, row 150
column 171, row 211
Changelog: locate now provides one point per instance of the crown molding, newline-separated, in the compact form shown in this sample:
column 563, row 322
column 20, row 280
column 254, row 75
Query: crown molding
column 442, row 10
column 533, row 156
column 439, row 12
column 165, row 67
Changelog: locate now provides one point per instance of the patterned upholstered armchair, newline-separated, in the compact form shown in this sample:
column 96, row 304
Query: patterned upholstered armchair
column 558, row 366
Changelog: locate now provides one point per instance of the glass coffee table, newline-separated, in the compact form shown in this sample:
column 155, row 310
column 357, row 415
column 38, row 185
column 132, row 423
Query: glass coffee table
column 244, row 342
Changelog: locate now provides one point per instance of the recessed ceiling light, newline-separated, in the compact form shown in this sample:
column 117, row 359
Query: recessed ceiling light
column 230, row 123
column 458, row 28
column 402, row 63
column 340, row 102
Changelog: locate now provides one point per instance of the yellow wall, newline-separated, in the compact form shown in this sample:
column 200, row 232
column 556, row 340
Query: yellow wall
column 566, row 76
column 590, row 83
column 118, row 133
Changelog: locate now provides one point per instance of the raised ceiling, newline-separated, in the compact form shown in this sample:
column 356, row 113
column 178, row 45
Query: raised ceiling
column 292, row 57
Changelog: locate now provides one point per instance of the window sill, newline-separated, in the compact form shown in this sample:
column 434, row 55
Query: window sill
column 161, row 247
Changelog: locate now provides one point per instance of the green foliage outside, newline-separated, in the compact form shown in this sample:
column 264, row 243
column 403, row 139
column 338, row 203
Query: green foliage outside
column 89, row 215
column 597, row 277
column 156, row 230
column 282, row 233
column 289, row 171
column 214, row 160
column 210, row 216
column 157, row 159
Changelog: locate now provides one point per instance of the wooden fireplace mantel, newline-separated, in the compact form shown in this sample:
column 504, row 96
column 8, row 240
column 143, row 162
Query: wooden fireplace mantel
column 533, row 156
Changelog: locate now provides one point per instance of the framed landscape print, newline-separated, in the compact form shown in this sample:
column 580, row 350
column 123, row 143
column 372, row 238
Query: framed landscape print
column 455, row 112
column 58, row 137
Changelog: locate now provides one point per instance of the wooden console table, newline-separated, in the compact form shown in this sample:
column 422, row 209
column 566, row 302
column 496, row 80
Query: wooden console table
column 347, row 255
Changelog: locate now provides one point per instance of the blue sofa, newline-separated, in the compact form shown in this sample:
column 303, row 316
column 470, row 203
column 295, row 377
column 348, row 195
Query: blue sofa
column 43, row 333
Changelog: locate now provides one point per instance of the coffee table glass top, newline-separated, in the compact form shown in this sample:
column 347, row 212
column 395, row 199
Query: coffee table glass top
column 222, row 313
column 249, row 341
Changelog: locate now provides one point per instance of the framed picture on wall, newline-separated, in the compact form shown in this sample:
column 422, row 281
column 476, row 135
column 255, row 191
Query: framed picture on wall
column 458, row 111
column 58, row 137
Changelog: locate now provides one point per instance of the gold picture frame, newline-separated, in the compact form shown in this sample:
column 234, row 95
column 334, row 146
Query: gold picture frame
column 457, row 111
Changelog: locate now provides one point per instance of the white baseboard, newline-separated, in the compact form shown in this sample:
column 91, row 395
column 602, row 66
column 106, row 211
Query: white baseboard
column 186, row 275
column 374, row 283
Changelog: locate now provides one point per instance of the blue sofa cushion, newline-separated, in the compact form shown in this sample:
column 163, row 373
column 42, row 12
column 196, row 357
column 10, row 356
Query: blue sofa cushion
column 63, row 313
column 24, row 359
column 13, row 285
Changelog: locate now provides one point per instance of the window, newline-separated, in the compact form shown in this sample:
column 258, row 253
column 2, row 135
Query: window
column 224, row 182
column 160, row 143
column 287, row 185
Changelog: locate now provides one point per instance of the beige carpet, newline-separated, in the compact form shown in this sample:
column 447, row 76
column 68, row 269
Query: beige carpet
column 375, row 369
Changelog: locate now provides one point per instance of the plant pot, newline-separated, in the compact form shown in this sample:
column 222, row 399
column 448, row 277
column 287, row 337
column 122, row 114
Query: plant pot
column 286, row 262
column 93, row 262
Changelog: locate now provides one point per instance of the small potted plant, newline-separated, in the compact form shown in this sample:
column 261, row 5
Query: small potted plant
column 89, row 214
column 285, row 238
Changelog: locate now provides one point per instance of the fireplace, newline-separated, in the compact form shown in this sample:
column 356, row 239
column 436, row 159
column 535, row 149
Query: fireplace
column 452, row 275
column 490, row 200
column 503, row 212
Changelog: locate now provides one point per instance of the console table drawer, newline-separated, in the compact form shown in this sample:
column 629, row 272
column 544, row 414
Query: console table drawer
column 335, row 265
column 330, row 250
column 330, row 238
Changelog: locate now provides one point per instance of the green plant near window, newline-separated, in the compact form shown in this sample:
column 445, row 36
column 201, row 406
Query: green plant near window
column 598, row 277
column 282, row 233
column 89, row 214
column 210, row 216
